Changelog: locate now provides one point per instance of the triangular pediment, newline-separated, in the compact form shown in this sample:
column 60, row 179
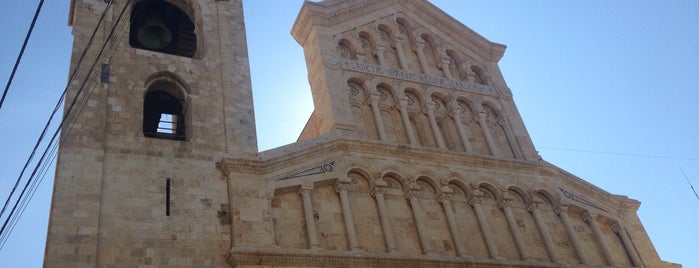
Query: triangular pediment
column 421, row 17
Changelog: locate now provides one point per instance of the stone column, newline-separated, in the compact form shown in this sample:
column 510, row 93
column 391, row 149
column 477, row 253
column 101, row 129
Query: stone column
column 444, row 65
column 562, row 212
column 475, row 202
column 401, row 54
column 420, row 50
column 378, row 193
column 376, row 111
column 511, row 139
column 380, row 50
column 341, row 189
column 406, row 122
column 411, row 196
column 591, row 220
column 505, row 206
column 445, row 200
column 628, row 245
column 435, row 128
column 486, row 132
column 305, row 193
column 269, row 197
column 454, row 113
column 541, row 224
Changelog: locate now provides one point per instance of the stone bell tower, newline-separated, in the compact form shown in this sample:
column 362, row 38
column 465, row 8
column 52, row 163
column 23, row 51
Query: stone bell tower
column 170, row 94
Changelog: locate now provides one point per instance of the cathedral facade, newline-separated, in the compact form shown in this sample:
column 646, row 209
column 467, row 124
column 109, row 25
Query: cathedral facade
column 415, row 154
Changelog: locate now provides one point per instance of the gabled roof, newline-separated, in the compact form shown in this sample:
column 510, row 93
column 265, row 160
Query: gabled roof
column 334, row 12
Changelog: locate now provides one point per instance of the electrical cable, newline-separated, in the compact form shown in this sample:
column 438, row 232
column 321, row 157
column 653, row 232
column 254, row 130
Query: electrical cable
column 56, row 108
column 14, row 217
column 21, row 52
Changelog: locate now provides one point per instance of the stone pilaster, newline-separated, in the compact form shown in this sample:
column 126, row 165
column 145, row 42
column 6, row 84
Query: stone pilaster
column 475, row 202
column 505, row 206
column 562, row 212
column 341, row 189
column 411, row 196
column 311, row 232
column 445, row 200
column 591, row 219
column 543, row 230
column 378, row 194
column 628, row 245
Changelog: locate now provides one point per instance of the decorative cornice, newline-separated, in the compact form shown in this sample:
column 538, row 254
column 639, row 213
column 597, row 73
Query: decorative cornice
column 322, row 258
column 328, row 13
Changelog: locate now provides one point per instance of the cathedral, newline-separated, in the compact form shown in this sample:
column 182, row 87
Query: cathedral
column 414, row 156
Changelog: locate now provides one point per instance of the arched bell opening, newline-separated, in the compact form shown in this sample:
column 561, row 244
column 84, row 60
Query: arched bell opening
column 157, row 25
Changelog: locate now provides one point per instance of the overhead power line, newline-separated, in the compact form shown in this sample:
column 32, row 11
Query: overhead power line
column 72, row 112
column 21, row 52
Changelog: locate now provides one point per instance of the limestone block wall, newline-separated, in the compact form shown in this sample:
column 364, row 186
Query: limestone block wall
column 349, row 199
column 111, row 195
column 389, row 71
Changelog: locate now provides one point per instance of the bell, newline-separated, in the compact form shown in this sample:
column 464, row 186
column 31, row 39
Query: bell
column 154, row 34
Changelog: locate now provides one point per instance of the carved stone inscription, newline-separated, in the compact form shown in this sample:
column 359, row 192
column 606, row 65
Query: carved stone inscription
column 421, row 78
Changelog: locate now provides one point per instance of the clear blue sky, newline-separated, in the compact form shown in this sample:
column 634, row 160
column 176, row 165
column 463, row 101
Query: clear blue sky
column 607, row 90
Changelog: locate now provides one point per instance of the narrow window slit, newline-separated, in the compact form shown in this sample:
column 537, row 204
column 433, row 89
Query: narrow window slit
column 167, row 197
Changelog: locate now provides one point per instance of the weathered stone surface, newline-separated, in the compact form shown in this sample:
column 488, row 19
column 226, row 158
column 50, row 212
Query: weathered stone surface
column 415, row 156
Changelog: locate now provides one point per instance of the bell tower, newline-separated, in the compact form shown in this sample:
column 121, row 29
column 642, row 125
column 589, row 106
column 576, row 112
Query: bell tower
column 168, row 96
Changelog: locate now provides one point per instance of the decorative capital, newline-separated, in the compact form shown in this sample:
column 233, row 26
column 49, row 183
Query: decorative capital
column 560, row 210
column 410, row 194
column 305, row 190
column 505, row 203
column 474, row 201
column 378, row 191
column 444, row 198
column 588, row 217
column 341, row 187
column 531, row 208
column 617, row 229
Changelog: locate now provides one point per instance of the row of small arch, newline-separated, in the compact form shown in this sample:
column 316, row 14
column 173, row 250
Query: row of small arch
column 387, row 34
column 426, row 180
column 437, row 98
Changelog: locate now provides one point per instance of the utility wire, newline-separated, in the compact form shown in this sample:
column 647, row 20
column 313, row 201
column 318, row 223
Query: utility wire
column 31, row 184
column 690, row 183
column 21, row 52
column 56, row 108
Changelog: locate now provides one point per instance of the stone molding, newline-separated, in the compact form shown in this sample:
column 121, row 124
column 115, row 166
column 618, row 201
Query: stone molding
column 323, row 258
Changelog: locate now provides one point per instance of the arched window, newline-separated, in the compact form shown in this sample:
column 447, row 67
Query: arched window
column 157, row 25
column 164, row 111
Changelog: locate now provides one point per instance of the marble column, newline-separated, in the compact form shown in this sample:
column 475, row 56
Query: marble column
column 562, row 212
column 411, row 196
column 341, row 189
column 380, row 50
column 435, row 128
column 445, row 200
column 591, row 219
column 485, row 227
column 628, row 245
column 511, row 140
column 494, row 150
column 311, row 232
column 398, row 45
column 505, row 206
column 378, row 194
column 420, row 50
column 456, row 115
column 406, row 122
column 444, row 65
column 543, row 230
column 376, row 111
